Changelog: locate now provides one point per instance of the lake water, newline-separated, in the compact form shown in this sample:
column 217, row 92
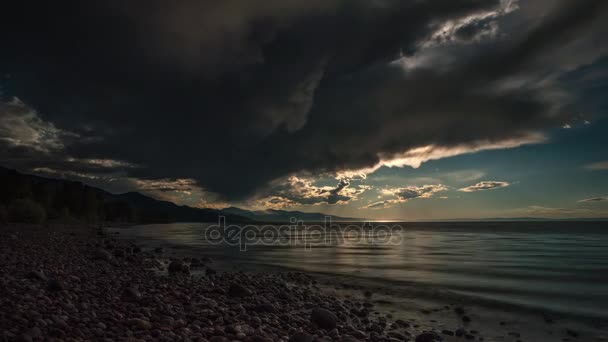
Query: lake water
column 559, row 267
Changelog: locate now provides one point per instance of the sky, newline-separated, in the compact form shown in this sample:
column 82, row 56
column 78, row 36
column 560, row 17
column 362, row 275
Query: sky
column 379, row 109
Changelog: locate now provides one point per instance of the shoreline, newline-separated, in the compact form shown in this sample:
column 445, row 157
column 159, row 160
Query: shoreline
column 70, row 283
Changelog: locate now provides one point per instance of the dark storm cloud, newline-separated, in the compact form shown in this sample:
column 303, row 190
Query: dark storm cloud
column 236, row 94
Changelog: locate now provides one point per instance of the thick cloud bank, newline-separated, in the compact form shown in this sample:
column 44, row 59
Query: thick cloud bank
column 237, row 94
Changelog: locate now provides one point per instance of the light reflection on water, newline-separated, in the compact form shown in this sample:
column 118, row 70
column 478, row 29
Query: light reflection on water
column 556, row 266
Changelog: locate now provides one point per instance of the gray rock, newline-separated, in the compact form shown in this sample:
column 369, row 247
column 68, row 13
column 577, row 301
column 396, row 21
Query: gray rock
column 131, row 294
column 323, row 319
column 238, row 290
column 266, row 307
column 55, row 285
column 38, row 275
column 176, row 266
column 428, row 337
column 301, row 337
column 102, row 254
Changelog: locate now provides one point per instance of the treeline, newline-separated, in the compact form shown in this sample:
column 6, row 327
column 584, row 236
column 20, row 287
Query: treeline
column 31, row 199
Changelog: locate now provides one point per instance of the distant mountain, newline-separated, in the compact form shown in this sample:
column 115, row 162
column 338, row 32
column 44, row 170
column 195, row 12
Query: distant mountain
column 273, row 215
column 30, row 198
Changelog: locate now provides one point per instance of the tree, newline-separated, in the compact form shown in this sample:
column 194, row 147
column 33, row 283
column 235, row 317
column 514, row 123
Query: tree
column 3, row 214
column 27, row 211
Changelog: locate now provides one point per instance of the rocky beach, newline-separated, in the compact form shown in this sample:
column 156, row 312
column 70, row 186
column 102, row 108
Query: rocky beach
column 68, row 283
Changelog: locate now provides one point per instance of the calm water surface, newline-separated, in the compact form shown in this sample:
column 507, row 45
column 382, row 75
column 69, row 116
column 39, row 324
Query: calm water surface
column 553, row 266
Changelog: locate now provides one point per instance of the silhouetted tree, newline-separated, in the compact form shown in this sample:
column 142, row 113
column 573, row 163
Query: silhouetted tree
column 26, row 210
column 3, row 214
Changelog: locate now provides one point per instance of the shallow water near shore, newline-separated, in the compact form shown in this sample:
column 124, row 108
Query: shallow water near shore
column 556, row 268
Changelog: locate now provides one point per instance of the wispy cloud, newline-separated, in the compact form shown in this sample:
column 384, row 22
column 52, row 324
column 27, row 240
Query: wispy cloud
column 411, row 192
column 594, row 199
column 380, row 205
column 602, row 165
column 405, row 194
column 548, row 211
column 485, row 185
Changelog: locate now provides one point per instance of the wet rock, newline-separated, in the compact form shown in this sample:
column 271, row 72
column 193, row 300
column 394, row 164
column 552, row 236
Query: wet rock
column 323, row 319
column 447, row 332
column 466, row 319
column 428, row 337
column 301, row 337
column 24, row 338
column 266, row 307
column 138, row 323
column 102, row 254
column 175, row 267
column 131, row 294
column 38, row 275
column 210, row 271
column 572, row 333
column 186, row 269
column 238, row 290
column 401, row 323
column 120, row 253
column 55, row 285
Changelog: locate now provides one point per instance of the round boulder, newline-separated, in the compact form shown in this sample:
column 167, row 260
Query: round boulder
column 102, row 254
column 176, row 266
column 324, row 319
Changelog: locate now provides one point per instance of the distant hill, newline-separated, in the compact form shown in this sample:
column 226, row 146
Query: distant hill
column 35, row 199
column 273, row 215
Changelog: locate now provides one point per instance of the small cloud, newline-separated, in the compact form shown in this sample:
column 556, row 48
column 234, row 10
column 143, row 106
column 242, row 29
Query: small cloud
column 594, row 199
column 380, row 205
column 411, row 192
column 602, row 165
column 405, row 194
column 566, row 126
column 485, row 185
